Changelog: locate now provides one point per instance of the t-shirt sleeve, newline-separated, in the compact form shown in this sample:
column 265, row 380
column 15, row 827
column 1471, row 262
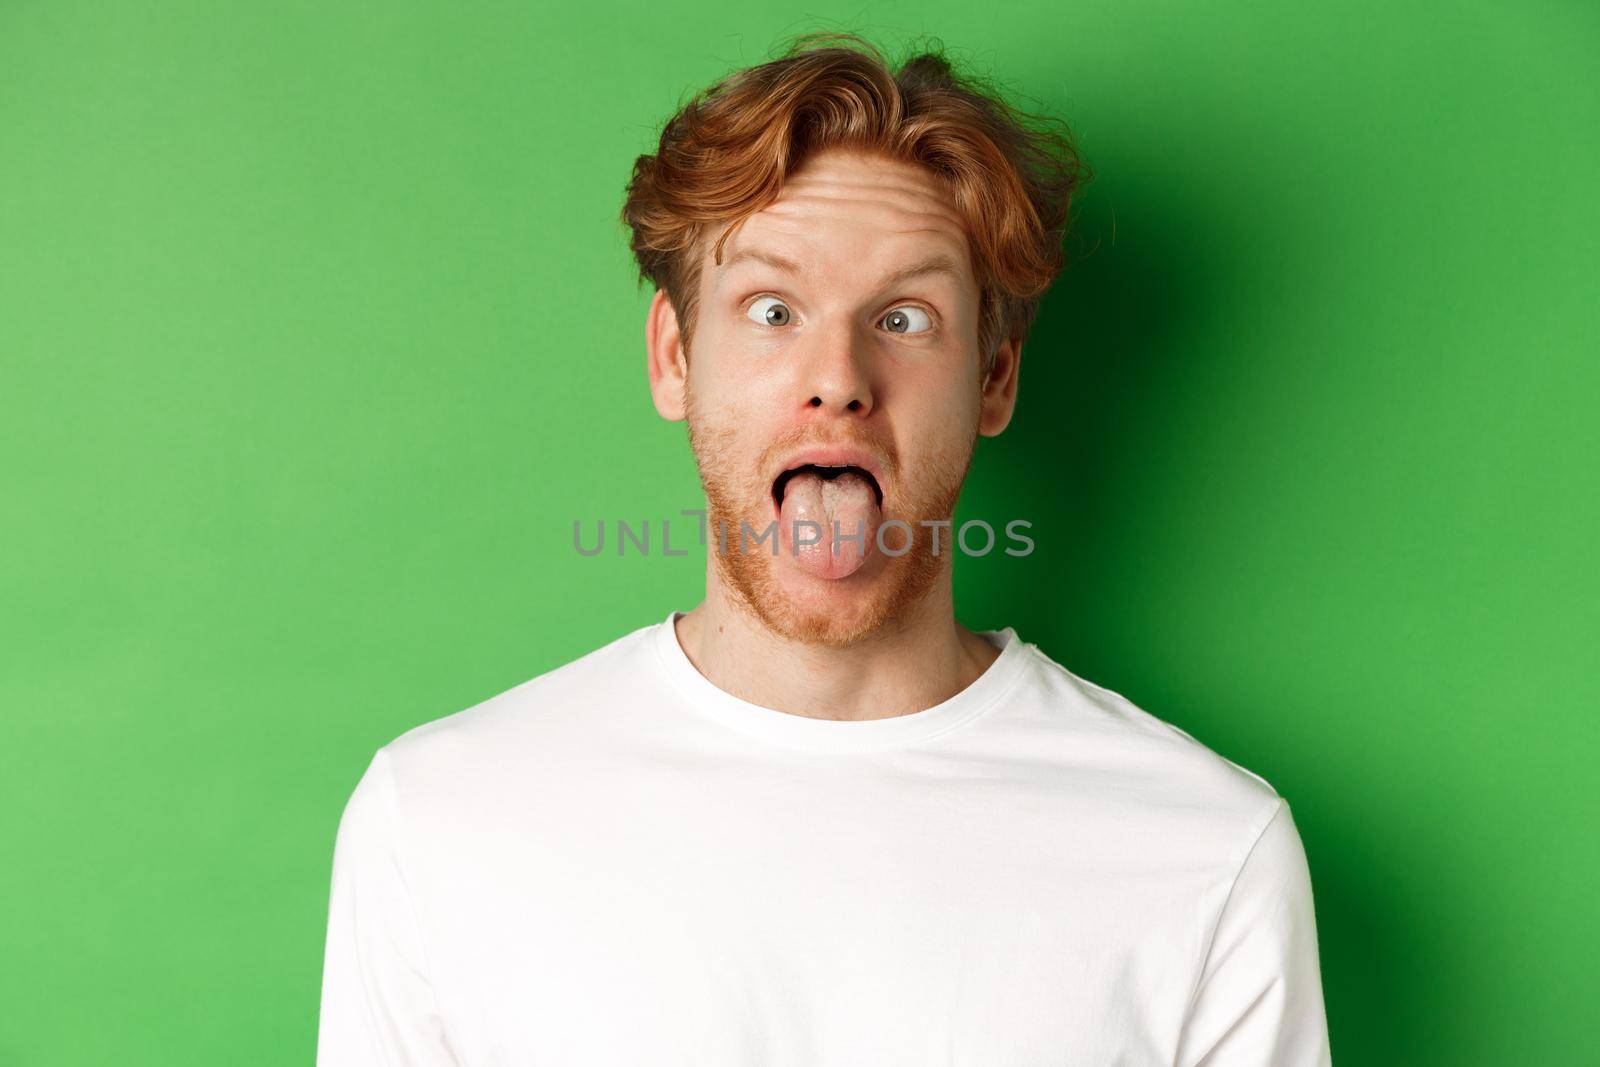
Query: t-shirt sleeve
column 378, row 1004
column 1259, row 998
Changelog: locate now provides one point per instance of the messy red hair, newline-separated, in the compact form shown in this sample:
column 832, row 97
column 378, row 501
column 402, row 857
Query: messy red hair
column 725, row 155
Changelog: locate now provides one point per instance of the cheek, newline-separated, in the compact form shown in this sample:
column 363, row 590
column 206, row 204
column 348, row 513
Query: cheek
column 729, row 408
column 721, row 431
column 945, row 403
column 726, row 360
column 736, row 393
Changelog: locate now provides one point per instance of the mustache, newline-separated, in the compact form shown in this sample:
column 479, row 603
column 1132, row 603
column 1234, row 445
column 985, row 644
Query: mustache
column 881, row 449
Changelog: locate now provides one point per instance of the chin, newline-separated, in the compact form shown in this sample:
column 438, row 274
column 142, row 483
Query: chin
column 828, row 612
column 832, row 624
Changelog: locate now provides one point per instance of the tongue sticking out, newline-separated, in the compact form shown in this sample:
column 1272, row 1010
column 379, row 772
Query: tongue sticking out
column 847, row 499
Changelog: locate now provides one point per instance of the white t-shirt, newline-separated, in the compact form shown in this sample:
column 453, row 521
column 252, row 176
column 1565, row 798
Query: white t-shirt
column 619, row 863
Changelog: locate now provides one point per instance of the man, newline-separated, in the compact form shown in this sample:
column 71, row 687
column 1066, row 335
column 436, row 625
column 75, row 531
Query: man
column 815, row 821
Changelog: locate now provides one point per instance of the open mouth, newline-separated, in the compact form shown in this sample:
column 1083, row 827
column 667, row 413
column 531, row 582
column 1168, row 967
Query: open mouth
column 827, row 474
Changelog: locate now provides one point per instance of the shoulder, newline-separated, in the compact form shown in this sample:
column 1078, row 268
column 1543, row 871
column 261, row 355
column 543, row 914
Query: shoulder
column 1153, row 764
column 550, row 711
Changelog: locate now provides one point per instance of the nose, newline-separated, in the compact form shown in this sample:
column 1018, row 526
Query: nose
column 835, row 376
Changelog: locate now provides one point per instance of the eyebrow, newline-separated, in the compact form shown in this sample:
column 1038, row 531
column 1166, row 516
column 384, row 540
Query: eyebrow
column 938, row 263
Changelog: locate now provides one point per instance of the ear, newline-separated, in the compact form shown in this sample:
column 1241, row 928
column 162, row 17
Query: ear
column 1000, row 388
column 665, row 360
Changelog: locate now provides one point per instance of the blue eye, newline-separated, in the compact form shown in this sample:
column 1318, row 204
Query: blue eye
column 903, row 319
column 776, row 313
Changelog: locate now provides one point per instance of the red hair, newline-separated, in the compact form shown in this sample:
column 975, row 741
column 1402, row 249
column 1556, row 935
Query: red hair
column 725, row 154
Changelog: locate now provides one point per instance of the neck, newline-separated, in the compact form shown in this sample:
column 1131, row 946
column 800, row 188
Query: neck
column 923, row 659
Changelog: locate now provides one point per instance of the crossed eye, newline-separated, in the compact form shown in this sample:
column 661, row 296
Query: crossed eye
column 904, row 318
column 776, row 314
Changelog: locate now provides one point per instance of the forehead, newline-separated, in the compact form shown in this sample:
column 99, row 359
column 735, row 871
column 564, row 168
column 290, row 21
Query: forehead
column 844, row 209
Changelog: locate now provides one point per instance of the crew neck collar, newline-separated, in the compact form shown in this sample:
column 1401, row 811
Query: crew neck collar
column 832, row 735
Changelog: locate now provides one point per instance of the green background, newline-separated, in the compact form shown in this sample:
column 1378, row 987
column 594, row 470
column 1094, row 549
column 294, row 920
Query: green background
column 318, row 330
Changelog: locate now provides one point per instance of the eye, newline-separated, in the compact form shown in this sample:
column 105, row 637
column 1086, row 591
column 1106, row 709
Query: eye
column 904, row 319
column 775, row 313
